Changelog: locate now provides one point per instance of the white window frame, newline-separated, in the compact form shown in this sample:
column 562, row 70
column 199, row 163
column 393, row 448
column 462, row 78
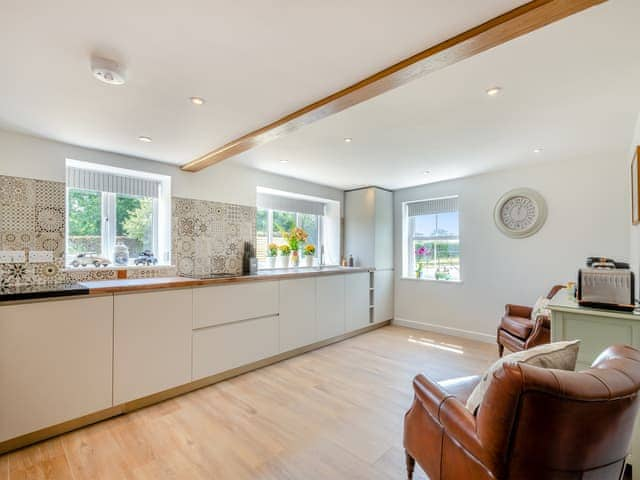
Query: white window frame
column 108, row 228
column 161, row 213
column 408, row 235
column 319, row 218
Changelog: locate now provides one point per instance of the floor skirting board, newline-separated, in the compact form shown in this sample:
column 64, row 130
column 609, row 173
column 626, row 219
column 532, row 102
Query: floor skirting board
column 457, row 332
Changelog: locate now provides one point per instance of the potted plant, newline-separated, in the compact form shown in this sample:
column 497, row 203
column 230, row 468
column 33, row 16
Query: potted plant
column 285, row 250
column 309, row 253
column 272, row 253
column 419, row 270
column 295, row 238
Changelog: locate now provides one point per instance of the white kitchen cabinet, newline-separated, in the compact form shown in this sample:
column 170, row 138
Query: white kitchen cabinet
column 330, row 306
column 224, row 347
column 383, row 295
column 216, row 305
column 368, row 227
column 297, row 313
column 55, row 362
column 152, row 342
column 356, row 300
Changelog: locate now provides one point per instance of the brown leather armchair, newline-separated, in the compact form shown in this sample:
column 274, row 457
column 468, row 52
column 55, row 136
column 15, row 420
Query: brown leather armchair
column 518, row 332
column 533, row 423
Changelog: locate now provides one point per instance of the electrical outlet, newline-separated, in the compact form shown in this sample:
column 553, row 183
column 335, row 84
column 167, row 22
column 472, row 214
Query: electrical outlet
column 12, row 256
column 40, row 256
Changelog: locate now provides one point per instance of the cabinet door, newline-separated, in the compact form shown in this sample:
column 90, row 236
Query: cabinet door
column 220, row 304
column 383, row 295
column 297, row 313
column 356, row 300
column 330, row 301
column 221, row 348
column 152, row 343
column 55, row 362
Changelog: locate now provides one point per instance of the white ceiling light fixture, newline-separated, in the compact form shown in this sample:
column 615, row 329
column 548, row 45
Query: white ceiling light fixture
column 348, row 140
column 537, row 150
column 197, row 100
column 107, row 71
column 144, row 139
column 284, row 161
column 426, row 172
column 493, row 91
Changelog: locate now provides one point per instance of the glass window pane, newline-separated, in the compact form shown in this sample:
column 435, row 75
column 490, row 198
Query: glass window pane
column 282, row 222
column 84, row 223
column 309, row 223
column 134, row 224
column 435, row 247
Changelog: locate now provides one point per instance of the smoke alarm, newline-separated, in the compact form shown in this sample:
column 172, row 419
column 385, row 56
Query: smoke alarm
column 107, row 71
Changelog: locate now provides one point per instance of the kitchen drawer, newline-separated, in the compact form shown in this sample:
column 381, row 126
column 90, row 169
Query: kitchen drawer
column 220, row 348
column 221, row 304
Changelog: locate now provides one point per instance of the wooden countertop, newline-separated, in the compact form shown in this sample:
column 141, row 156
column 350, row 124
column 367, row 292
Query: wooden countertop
column 142, row 284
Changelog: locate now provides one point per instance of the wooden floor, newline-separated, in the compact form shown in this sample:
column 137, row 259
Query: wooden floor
column 335, row 413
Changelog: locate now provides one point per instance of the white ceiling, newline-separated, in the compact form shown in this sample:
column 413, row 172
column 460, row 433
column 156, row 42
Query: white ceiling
column 254, row 61
column 572, row 88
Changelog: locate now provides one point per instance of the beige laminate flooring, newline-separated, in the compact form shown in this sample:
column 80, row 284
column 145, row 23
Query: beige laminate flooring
column 334, row 413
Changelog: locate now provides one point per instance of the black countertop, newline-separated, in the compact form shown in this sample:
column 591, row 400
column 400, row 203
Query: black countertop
column 30, row 292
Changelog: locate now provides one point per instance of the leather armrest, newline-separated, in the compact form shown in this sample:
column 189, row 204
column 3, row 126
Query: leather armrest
column 460, row 425
column 542, row 321
column 430, row 395
column 518, row 311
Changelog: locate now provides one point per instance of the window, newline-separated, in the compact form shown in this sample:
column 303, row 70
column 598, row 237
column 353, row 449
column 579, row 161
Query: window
column 271, row 224
column 109, row 206
column 431, row 239
column 279, row 212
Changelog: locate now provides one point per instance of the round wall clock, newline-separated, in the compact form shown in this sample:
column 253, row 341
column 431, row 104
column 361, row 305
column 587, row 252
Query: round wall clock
column 520, row 213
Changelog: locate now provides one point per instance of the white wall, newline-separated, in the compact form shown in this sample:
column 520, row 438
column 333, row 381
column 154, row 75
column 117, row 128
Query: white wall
column 588, row 201
column 31, row 157
column 634, row 236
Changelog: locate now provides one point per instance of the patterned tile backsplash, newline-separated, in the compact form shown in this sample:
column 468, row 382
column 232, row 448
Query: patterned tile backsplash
column 207, row 237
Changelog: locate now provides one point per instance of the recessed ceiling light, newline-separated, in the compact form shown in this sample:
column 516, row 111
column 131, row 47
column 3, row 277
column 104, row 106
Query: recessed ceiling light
column 493, row 91
column 537, row 150
column 284, row 161
column 426, row 172
column 145, row 139
column 197, row 100
column 348, row 139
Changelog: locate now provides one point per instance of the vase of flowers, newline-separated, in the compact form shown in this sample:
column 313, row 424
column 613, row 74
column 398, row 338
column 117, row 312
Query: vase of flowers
column 422, row 254
column 272, row 254
column 309, row 253
column 285, row 250
column 295, row 238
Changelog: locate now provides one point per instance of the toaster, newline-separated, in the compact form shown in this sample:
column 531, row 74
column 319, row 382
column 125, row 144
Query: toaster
column 610, row 288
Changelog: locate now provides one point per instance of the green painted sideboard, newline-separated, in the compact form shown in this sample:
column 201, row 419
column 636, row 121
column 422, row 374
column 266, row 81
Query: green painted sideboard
column 597, row 329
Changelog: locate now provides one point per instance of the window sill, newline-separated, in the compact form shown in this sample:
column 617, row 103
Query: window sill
column 109, row 268
column 291, row 267
column 432, row 280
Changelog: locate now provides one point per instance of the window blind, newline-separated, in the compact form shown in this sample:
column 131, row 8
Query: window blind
column 86, row 179
column 432, row 207
column 289, row 204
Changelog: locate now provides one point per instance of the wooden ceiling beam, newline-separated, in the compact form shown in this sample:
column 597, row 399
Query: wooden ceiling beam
column 517, row 22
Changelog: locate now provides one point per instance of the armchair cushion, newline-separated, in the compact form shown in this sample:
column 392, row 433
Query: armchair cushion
column 517, row 326
column 558, row 355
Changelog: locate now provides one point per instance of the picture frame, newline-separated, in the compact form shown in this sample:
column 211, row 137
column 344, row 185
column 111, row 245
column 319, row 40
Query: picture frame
column 635, row 188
